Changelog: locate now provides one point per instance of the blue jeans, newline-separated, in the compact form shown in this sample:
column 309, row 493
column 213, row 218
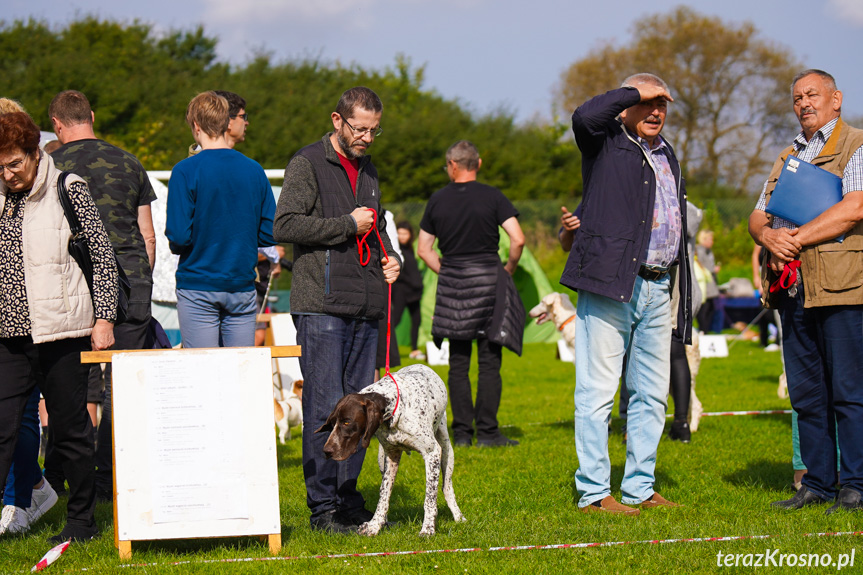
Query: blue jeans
column 25, row 471
column 338, row 358
column 823, row 352
column 216, row 318
column 606, row 331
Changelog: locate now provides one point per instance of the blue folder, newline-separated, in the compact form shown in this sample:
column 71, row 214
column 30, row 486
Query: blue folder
column 804, row 191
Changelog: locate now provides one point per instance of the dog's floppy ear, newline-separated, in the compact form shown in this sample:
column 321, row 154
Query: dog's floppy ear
column 374, row 417
column 330, row 424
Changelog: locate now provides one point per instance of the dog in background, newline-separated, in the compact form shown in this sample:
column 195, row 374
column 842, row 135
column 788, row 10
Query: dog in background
column 558, row 308
column 408, row 414
column 288, row 411
column 693, row 358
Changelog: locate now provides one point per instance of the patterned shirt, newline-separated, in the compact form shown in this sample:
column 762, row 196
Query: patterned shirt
column 852, row 177
column 14, row 306
column 665, row 234
column 119, row 186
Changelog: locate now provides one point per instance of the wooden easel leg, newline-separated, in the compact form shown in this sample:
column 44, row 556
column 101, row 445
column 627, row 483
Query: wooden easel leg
column 114, row 474
column 125, row 548
column 275, row 543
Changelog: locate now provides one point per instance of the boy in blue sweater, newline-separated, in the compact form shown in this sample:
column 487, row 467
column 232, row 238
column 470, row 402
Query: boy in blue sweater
column 220, row 210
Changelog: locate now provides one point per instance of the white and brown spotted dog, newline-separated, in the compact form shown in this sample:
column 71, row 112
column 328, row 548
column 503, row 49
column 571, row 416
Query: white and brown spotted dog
column 288, row 411
column 418, row 424
column 557, row 308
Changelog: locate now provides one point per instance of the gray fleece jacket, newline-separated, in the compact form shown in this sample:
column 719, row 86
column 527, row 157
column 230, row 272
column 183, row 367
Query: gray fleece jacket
column 313, row 213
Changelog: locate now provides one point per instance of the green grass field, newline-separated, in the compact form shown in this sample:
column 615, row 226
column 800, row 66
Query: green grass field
column 524, row 496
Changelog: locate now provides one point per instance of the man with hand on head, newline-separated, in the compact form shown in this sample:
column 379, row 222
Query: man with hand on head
column 629, row 264
column 822, row 312
column 330, row 200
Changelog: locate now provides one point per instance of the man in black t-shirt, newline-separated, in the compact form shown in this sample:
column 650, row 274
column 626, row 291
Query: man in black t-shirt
column 464, row 217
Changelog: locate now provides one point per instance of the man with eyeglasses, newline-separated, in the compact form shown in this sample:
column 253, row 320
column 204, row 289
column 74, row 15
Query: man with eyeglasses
column 330, row 200
column 238, row 121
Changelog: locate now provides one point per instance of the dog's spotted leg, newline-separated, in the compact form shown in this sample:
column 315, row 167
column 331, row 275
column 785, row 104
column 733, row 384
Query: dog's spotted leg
column 391, row 468
column 433, row 463
column 447, row 461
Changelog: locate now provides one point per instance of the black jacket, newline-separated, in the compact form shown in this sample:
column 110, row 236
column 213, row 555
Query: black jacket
column 476, row 298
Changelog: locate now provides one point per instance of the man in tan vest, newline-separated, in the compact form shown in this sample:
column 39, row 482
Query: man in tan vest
column 822, row 311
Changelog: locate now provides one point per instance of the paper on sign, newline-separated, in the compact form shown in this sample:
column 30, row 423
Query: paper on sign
column 195, row 431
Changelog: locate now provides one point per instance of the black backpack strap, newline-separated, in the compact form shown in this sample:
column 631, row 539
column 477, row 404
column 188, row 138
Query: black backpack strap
column 71, row 216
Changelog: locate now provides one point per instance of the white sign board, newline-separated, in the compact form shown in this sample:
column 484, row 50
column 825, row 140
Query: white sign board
column 713, row 346
column 195, row 453
column 285, row 333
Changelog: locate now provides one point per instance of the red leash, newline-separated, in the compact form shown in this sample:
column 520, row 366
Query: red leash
column 788, row 277
column 363, row 241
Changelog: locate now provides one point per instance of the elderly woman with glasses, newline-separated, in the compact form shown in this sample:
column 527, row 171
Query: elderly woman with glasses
column 47, row 314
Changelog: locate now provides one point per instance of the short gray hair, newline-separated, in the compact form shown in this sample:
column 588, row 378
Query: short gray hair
column 464, row 154
column 644, row 78
column 828, row 79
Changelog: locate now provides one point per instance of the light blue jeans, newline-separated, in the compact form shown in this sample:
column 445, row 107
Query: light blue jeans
column 606, row 331
column 216, row 319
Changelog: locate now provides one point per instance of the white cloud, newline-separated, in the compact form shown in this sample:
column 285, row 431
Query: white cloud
column 849, row 11
column 289, row 12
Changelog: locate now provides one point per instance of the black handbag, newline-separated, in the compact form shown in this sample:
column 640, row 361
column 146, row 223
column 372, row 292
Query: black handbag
column 80, row 251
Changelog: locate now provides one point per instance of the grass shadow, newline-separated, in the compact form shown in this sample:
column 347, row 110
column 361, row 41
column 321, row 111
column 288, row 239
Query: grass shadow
column 192, row 547
column 761, row 474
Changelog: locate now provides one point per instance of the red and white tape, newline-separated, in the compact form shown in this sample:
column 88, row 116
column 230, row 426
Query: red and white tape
column 705, row 414
column 768, row 412
column 490, row 549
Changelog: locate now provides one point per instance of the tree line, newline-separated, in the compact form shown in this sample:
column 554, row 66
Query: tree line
column 139, row 83
column 731, row 115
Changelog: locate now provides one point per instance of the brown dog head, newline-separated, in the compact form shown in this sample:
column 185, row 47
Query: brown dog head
column 297, row 388
column 355, row 418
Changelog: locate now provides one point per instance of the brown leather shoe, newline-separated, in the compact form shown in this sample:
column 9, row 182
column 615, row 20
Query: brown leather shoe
column 610, row 505
column 657, row 500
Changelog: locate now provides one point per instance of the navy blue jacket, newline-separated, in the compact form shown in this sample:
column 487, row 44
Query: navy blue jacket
column 617, row 206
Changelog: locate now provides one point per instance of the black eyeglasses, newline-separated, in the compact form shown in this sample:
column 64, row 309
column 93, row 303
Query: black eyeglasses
column 13, row 167
column 245, row 116
column 375, row 132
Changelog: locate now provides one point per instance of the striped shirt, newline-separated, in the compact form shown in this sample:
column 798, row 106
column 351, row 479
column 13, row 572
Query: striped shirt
column 852, row 177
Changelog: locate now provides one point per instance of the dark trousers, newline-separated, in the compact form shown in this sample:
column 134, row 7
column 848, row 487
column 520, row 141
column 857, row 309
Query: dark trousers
column 63, row 383
column 705, row 315
column 413, row 307
column 823, row 350
column 131, row 334
column 488, row 389
column 338, row 359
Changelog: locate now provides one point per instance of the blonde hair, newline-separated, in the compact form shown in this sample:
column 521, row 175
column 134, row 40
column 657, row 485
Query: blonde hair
column 210, row 112
column 8, row 105
column 702, row 235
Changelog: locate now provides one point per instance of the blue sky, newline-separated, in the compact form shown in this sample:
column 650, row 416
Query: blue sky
column 488, row 54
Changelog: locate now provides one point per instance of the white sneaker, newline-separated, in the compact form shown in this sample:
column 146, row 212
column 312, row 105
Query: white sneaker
column 14, row 520
column 41, row 501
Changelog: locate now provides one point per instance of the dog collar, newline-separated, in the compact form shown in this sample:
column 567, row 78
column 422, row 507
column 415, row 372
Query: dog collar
column 565, row 323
